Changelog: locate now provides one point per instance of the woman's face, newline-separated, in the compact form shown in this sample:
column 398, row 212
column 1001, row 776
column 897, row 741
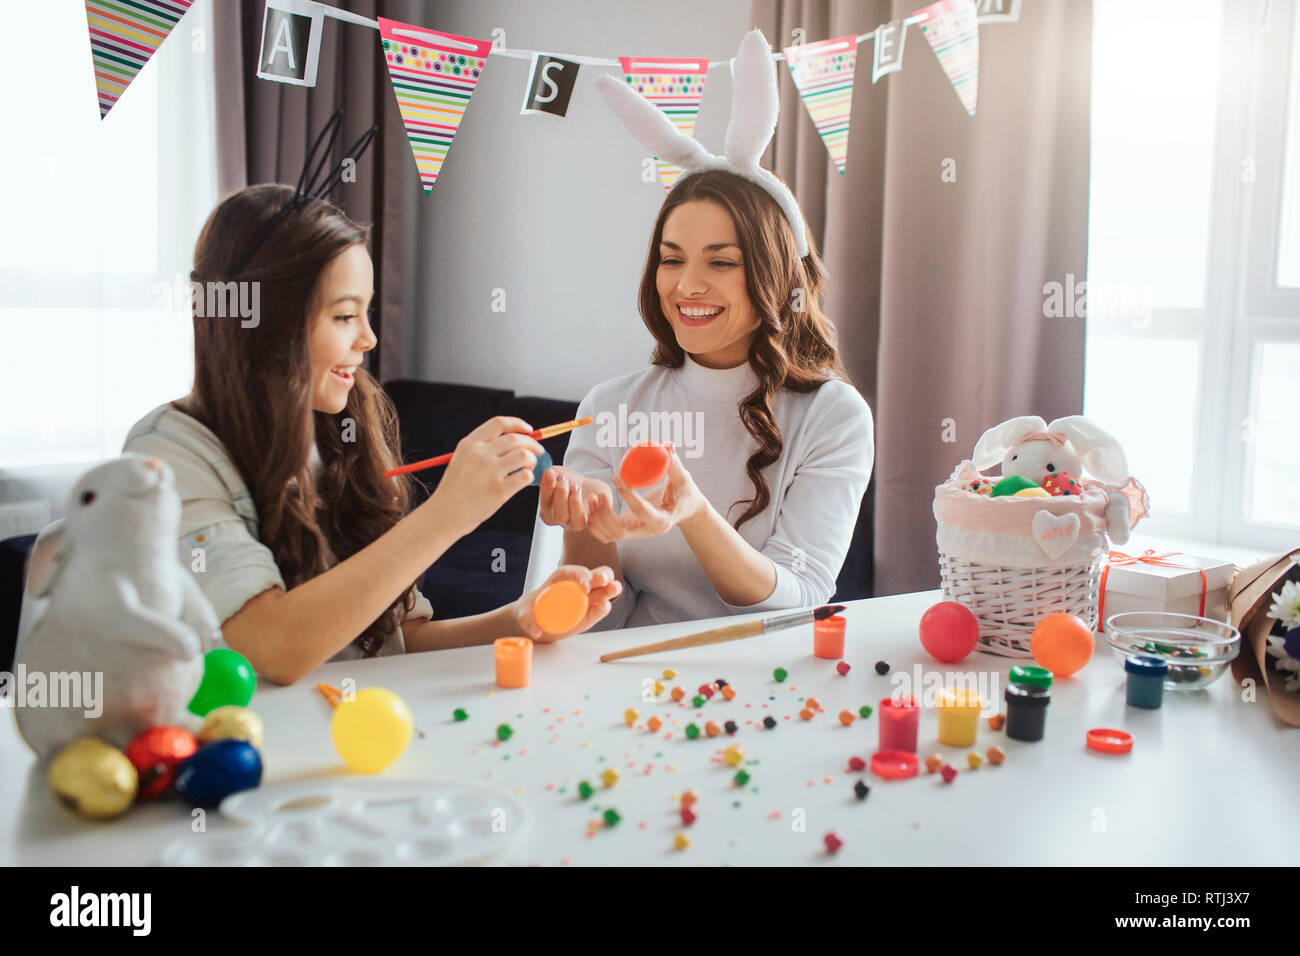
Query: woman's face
column 701, row 283
column 340, row 327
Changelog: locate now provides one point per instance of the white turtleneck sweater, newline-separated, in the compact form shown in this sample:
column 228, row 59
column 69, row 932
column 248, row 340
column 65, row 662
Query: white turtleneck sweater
column 816, row 485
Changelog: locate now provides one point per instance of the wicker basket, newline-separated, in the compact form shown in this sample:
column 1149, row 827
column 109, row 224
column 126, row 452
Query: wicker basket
column 991, row 562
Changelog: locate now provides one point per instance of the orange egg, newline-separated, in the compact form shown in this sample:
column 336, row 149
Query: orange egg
column 1062, row 643
column 560, row 607
column 644, row 465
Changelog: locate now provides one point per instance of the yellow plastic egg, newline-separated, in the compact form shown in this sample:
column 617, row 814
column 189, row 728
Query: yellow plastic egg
column 94, row 779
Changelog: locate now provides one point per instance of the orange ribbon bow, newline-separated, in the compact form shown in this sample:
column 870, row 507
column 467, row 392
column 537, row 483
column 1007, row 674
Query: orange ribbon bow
column 1149, row 556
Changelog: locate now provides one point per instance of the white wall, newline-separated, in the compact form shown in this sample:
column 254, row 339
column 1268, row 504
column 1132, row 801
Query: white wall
column 553, row 211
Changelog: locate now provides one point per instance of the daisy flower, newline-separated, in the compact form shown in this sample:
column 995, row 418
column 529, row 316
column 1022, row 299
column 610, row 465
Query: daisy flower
column 1286, row 605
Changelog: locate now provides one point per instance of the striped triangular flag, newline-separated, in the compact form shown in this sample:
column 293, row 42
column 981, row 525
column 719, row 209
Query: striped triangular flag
column 433, row 75
column 823, row 75
column 123, row 35
column 953, row 33
column 676, row 86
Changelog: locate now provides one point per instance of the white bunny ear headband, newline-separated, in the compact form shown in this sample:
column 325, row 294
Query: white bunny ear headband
column 754, row 108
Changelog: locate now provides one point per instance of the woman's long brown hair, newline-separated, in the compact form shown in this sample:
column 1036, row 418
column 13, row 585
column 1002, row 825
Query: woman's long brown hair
column 253, row 389
column 794, row 346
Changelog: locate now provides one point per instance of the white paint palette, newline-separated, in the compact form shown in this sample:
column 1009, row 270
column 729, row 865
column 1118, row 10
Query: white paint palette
column 357, row 821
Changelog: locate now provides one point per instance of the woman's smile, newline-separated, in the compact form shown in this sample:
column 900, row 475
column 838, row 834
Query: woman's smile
column 696, row 314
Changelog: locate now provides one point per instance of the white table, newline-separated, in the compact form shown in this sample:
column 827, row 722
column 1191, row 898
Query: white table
column 1211, row 779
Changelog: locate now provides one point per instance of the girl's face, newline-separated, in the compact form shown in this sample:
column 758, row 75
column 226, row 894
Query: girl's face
column 340, row 327
column 701, row 284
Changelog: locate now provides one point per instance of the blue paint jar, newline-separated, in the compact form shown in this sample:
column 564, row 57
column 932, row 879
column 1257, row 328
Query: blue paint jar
column 1026, row 711
column 1146, row 681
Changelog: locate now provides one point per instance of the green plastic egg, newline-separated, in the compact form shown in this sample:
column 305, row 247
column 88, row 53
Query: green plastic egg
column 228, row 679
column 1011, row 484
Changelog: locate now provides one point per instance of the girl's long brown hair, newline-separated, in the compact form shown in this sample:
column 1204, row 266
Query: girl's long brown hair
column 794, row 346
column 253, row 389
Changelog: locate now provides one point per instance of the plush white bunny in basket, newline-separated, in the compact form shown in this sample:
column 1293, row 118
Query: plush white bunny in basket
column 120, row 605
column 1015, row 556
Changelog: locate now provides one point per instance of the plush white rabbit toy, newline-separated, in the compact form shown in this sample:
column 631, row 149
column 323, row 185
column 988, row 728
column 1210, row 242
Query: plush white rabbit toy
column 120, row 604
column 1035, row 449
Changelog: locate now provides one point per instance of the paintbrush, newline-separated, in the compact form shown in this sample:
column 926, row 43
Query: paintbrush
column 732, row 632
column 550, row 431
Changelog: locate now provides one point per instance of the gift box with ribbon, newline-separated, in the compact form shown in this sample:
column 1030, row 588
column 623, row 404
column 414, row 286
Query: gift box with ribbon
column 1174, row 582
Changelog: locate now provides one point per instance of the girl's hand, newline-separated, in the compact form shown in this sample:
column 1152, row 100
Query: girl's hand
column 564, row 494
column 489, row 466
column 601, row 587
column 679, row 501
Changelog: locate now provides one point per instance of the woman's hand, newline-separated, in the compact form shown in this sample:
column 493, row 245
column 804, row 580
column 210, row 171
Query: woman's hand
column 680, row 501
column 489, row 466
column 601, row 587
column 564, row 495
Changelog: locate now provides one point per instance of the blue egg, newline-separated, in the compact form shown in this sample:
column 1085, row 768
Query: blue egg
column 217, row 770
column 543, row 462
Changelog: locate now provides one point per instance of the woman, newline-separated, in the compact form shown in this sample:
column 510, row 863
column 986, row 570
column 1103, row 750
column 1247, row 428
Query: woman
column 304, row 548
column 767, row 509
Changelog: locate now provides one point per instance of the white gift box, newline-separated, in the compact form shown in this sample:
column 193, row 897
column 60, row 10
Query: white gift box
column 1142, row 586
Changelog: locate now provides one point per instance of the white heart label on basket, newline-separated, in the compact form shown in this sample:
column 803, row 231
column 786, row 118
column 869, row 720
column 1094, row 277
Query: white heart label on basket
column 1055, row 533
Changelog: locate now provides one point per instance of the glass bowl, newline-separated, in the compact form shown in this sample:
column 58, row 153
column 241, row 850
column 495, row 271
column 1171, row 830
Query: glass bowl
column 1197, row 649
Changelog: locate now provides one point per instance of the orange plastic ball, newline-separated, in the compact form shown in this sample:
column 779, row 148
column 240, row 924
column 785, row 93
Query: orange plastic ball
column 1062, row 643
column 560, row 607
column 644, row 465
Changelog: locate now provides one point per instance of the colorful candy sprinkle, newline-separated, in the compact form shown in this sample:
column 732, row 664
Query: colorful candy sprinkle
column 864, row 711
column 949, row 772
column 806, row 714
column 833, row 843
column 995, row 722
column 860, row 789
column 996, row 755
column 973, row 760
column 688, row 816
column 659, row 687
column 630, row 716
column 609, row 777
column 720, row 683
column 846, row 717
column 712, row 728
column 730, row 727
column 857, row 764
column 734, row 755
column 689, row 798
column 504, row 732
column 654, row 723
column 882, row 667
column 780, row 674
column 669, row 675
column 692, row 731
column 741, row 778
column 698, row 700
column 678, row 693
column 813, row 704
column 611, row 817
column 842, row 667
column 681, row 841
column 708, row 690
column 585, row 790
column 933, row 763
column 459, row 714
column 769, row 722
column 729, row 692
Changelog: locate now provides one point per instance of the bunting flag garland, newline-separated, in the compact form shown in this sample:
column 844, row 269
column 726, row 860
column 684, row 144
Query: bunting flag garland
column 674, row 85
column 123, row 35
column 953, row 33
column 433, row 75
column 823, row 75
column 887, row 49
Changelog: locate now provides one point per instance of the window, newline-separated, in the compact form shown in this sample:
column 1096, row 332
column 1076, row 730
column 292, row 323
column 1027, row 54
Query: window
column 1193, row 354
column 100, row 218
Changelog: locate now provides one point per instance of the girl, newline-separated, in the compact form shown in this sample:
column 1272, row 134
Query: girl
column 304, row 549
column 767, row 509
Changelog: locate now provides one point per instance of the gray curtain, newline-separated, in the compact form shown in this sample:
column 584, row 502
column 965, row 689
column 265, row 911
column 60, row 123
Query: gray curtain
column 937, row 287
column 264, row 130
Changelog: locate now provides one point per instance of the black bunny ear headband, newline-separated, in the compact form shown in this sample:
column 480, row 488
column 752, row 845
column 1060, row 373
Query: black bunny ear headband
column 310, row 184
